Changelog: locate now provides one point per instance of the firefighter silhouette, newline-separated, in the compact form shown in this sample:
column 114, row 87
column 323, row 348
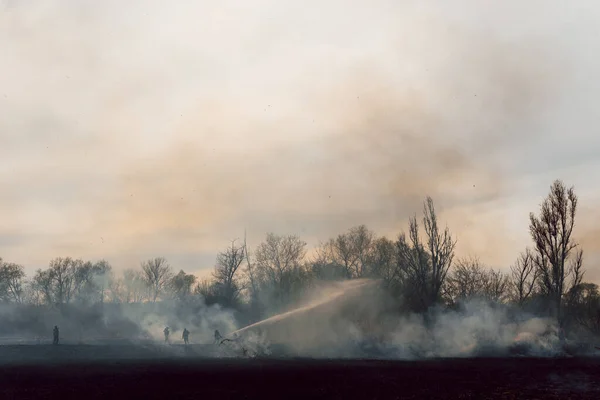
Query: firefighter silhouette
column 55, row 335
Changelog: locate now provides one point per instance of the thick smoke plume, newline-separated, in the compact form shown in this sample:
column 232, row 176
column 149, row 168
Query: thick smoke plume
column 355, row 319
column 273, row 127
column 349, row 319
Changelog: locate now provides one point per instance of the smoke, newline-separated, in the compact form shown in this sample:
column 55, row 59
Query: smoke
column 477, row 329
column 355, row 319
column 348, row 319
column 267, row 116
column 114, row 323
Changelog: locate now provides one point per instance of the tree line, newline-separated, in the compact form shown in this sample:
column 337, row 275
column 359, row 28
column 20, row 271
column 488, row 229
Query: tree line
column 418, row 268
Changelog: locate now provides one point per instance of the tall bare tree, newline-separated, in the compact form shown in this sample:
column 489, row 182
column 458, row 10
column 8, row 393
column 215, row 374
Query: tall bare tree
column 558, row 260
column 441, row 248
column 226, row 271
column 424, row 265
column 157, row 274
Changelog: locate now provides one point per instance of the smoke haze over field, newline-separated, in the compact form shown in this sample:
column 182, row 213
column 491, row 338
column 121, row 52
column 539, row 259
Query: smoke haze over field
column 356, row 318
column 136, row 129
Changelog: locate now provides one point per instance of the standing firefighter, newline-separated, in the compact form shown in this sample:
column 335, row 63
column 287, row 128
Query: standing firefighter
column 218, row 336
column 186, row 336
column 166, row 332
column 55, row 335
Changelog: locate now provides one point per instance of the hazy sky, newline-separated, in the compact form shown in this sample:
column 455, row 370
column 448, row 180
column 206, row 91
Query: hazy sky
column 135, row 129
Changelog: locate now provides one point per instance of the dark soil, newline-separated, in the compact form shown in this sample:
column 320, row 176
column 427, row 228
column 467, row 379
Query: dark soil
column 123, row 372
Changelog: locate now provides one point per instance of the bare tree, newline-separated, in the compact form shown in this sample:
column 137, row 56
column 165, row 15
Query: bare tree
column 90, row 280
column 551, row 232
column 63, row 281
column 133, row 287
column 414, row 268
column 11, row 282
column 225, row 273
column 278, row 262
column 181, row 285
column 362, row 240
column 324, row 265
column 62, row 272
column 157, row 274
column 32, row 293
column 469, row 278
column 341, row 252
column 524, row 276
column 117, row 291
column 466, row 280
column 42, row 286
column 83, row 280
column 441, row 248
column 206, row 289
column 383, row 261
column 496, row 286
column 352, row 250
column 424, row 266
column 584, row 306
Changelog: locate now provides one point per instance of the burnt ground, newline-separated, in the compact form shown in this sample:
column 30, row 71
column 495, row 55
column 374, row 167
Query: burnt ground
column 161, row 372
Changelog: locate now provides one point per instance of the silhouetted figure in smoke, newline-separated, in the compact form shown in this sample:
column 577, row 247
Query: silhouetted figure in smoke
column 55, row 335
column 166, row 332
column 185, row 336
column 218, row 336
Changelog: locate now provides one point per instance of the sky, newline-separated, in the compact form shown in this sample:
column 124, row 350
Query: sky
column 131, row 130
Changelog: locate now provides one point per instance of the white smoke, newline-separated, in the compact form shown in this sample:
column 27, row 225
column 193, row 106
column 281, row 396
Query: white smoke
column 198, row 318
column 353, row 321
column 477, row 329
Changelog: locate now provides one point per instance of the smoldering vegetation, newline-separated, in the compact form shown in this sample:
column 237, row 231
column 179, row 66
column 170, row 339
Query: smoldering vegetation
column 356, row 295
column 362, row 321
